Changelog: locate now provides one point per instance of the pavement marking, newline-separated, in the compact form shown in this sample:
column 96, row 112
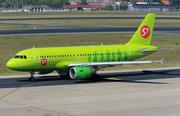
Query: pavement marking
column 111, row 78
column 26, row 86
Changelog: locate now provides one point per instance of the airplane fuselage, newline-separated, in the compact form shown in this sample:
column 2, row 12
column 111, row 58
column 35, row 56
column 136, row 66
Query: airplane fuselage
column 57, row 58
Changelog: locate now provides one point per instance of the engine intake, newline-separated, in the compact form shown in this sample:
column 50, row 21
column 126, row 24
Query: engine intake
column 79, row 73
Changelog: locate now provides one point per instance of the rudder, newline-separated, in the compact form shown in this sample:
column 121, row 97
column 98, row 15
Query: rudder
column 144, row 32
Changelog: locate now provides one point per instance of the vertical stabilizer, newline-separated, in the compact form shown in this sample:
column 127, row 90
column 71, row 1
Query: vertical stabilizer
column 144, row 32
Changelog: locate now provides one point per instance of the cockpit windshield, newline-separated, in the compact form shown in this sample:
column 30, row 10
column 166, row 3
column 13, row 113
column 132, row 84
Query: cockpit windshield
column 16, row 56
column 20, row 56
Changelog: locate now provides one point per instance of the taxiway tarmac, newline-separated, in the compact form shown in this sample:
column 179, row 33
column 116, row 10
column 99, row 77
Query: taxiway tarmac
column 132, row 92
column 86, row 29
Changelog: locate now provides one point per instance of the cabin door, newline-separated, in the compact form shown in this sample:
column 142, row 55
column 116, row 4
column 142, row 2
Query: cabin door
column 131, row 53
column 36, row 57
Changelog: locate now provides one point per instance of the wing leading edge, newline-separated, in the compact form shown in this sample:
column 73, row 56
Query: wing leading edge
column 112, row 63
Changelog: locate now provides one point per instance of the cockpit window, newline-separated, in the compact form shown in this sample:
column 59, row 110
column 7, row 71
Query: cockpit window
column 17, row 56
column 25, row 57
column 21, row 56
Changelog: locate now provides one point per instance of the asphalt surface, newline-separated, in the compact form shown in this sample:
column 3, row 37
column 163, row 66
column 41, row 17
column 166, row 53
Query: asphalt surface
column 56, row 29
column 129, row 77
column 84, row 29
column 138, row 93
column 85, row 18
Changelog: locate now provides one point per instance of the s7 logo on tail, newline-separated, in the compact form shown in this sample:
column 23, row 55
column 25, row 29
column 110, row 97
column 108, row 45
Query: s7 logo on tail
column 145, row 31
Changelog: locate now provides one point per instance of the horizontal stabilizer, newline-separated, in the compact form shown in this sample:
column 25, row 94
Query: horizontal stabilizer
column 145, row 51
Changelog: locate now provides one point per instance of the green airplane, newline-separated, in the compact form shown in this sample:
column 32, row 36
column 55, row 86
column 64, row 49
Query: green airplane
column 83, row 61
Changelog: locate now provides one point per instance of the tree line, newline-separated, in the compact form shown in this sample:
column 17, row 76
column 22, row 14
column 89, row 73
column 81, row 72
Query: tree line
column 60, row 3
column 18, row 3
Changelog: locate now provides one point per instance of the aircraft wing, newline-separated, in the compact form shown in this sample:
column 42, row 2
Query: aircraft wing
column 112, row 63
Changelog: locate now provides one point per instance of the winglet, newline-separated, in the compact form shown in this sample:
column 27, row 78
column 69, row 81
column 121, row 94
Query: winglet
column 161, row 61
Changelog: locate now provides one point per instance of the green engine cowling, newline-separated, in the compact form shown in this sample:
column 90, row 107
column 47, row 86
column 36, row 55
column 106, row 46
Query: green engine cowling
column 79, row 73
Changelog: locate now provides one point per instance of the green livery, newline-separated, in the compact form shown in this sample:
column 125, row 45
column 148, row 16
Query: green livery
column 84, row 61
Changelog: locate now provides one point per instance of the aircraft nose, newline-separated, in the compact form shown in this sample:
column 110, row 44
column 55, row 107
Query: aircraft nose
column 10, row 64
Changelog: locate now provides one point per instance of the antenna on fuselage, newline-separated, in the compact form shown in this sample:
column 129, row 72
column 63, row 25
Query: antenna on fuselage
column 33, row 47
column 101, row 44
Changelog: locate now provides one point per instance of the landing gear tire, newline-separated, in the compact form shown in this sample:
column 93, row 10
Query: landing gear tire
column 68, row 75
column 31, row 79
column 96, row 78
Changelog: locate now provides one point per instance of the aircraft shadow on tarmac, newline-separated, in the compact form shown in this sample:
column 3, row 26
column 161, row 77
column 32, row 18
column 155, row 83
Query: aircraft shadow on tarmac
column 128, row 77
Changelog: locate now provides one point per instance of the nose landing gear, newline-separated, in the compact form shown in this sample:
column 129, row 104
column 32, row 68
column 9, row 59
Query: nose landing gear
column 32, row 77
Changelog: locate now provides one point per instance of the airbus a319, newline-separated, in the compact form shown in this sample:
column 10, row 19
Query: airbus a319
column 83, row 61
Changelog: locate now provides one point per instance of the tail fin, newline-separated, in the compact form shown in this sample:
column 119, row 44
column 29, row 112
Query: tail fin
column 144, row 33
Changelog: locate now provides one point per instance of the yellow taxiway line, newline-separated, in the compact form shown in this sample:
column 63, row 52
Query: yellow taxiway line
column 111, row 78
column 26, row 86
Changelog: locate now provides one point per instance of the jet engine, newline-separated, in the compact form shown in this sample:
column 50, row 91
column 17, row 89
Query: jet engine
column 79, row 73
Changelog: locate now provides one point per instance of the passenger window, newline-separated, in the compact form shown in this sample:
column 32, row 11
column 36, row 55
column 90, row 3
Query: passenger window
column 67, row 55
column 25, row 57
column 21, row 57
column 62, row 55
column 52, row 56
column 41, row 56
column 74, row 55
column 80, row 54
column 47, row 56
column 44, row 56
column 57, row 55
column 70, row 55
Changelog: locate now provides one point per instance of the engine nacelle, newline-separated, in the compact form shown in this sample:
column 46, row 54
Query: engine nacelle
column 43, row 72
column 79, row 73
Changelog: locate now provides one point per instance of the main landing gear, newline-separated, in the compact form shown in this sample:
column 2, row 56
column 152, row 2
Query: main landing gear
column 96, row 77
column 32, row 77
